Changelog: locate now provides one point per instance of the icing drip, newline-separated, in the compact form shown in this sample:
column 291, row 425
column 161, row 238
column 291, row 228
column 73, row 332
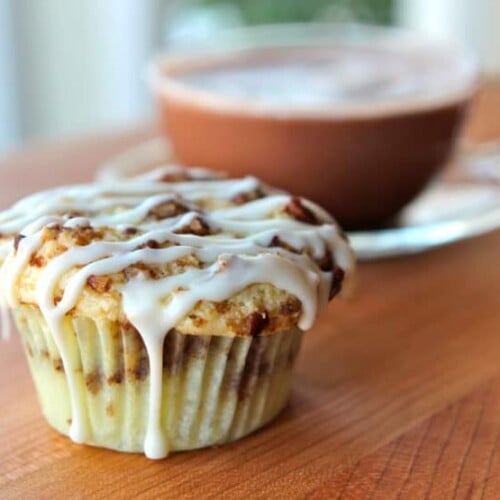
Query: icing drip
column 238, row 249
column 5, row 322
column 9, row 273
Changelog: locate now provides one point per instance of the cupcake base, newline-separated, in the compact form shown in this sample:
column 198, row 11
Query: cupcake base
column 215, row 389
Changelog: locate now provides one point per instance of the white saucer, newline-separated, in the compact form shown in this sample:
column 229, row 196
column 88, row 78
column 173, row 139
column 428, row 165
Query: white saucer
column 443, row 214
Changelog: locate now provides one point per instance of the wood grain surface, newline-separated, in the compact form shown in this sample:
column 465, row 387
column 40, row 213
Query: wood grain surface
column 396, row 395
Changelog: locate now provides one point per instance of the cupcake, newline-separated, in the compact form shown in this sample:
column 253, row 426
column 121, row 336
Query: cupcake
column 165, row 312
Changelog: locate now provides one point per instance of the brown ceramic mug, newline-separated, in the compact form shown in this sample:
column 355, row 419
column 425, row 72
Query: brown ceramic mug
column 358, row 119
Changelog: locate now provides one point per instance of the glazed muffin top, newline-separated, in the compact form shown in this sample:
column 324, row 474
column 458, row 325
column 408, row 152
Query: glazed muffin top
column 176, row 248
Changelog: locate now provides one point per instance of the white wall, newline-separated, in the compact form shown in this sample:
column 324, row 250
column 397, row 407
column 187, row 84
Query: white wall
column 474, row 23
column 9, row 110
column 79, row 65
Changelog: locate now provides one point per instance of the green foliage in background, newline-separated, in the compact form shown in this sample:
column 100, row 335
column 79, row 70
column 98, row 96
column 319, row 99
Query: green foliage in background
column 280, row 11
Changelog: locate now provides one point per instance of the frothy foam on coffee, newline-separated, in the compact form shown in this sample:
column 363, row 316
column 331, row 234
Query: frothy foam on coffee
column 334, row 77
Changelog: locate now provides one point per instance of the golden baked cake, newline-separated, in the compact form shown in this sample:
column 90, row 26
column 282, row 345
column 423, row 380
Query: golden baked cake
column 165, row 312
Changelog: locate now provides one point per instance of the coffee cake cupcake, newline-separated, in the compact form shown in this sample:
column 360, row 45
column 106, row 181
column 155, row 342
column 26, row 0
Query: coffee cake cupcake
column 165, row 312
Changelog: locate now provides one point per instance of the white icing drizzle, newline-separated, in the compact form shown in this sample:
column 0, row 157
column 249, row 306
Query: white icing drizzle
column 5, row 322
column 240, row 251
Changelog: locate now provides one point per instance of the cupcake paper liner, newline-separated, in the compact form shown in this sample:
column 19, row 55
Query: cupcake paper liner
column 215, row 388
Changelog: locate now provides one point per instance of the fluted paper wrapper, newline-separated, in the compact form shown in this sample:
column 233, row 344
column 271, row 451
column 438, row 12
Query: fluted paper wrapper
column 215, row 389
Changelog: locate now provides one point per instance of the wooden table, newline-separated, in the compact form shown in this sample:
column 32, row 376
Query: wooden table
column 397, row 392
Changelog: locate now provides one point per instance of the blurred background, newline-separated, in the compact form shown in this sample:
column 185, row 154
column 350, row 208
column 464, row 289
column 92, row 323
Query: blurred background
column 77, row 66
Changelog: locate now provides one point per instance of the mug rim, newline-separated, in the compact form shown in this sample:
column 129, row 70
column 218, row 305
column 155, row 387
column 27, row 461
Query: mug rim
column 290, row 37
